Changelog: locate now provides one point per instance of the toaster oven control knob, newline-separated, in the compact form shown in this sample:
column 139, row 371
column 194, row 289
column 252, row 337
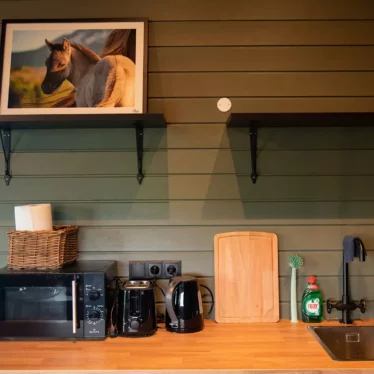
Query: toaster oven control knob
column 134, row 324
column 94, row 295
column 94, row 315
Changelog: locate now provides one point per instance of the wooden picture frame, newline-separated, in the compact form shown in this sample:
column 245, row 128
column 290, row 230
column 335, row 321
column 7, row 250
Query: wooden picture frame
column 73, row 66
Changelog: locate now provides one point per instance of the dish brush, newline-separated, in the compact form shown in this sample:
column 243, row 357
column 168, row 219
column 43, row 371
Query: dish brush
column 296, row 262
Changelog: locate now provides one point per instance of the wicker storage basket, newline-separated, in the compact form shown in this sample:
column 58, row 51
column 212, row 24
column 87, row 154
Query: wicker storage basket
column 43, row 249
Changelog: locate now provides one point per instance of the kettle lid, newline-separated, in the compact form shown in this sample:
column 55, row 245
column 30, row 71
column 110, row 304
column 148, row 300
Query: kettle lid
column 184, row 278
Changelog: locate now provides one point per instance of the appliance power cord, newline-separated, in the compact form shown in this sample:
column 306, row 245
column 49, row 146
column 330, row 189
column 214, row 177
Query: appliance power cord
column 112, row 329
column 160, row 316
column 212, row 299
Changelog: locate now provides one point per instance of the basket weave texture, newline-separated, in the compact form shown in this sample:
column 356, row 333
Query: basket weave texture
column 42, row 249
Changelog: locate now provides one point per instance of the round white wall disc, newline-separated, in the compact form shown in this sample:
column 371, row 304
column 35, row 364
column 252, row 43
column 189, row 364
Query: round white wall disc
column 224, row 104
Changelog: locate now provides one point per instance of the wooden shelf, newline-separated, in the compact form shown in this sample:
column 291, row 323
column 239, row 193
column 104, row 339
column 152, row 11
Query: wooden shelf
column 300, row 119
column 254, row 121
column 84, row 121
column 73, row 121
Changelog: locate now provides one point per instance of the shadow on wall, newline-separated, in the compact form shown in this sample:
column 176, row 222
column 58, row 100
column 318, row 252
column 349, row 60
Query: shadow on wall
column 120, row 200
column 305, row 173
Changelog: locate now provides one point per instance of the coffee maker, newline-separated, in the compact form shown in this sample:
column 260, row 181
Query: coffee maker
column 184, row 308
column 136, row 309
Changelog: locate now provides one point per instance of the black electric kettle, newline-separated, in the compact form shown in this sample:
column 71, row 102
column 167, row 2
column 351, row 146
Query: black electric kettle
column 184, row 308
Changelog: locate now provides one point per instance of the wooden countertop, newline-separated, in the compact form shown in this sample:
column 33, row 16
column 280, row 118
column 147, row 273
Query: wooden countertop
column 265, row 347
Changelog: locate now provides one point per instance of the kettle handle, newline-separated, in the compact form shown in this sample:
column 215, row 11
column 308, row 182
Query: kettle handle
column 169, row 295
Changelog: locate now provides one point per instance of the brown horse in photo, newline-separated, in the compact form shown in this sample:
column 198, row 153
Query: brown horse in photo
column 107, row 81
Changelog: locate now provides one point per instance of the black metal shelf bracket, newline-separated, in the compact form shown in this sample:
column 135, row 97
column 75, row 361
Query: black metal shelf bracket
column 253, row 141
column 5, row 143
column 136, row 121
column 254, row 121
column 139, row 150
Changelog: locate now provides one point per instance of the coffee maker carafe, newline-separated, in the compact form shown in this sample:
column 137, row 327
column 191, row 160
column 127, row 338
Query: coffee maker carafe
column 184, row 308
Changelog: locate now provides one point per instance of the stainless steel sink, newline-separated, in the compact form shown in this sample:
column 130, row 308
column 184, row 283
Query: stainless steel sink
column 346, row 343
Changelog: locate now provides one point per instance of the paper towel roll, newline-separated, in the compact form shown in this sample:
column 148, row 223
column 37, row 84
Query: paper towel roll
column 33, row 217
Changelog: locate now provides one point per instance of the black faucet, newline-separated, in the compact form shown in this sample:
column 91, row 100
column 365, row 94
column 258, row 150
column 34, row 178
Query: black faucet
column 355, row 248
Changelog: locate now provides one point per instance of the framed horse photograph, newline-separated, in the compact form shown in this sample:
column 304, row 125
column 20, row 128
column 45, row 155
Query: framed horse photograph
column 62, row 67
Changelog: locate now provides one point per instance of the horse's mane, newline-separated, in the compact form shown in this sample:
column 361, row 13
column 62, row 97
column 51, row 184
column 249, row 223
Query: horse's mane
column 91, row 55
column 120, row 42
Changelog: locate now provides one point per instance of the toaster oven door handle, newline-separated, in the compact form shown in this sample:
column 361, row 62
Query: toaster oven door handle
column 74, row 303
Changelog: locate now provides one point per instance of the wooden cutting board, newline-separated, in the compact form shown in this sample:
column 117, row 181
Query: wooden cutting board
column 246, row 277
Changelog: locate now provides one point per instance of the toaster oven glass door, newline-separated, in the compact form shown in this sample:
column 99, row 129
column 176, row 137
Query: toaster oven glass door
column 48, row 306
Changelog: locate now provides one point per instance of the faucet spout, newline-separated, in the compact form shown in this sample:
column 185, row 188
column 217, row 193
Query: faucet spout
column 360, row 250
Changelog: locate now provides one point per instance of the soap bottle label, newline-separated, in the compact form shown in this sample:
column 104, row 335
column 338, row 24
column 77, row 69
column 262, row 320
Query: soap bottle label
column 313, row 307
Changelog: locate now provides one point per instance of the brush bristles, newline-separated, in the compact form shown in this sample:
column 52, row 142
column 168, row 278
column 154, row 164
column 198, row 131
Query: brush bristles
column 295, row 261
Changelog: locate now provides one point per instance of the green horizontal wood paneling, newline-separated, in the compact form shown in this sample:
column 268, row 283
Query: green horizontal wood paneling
column 190, row 10
column 249, row 33
column 191, row 187
column 199, row 264
column 187, row 161
column 288, row 58
column 323, row 239
column 324, row 263
column 263, row 84
column 204, row 110
column 196, row 136
column 89, row 139
column 224, row 213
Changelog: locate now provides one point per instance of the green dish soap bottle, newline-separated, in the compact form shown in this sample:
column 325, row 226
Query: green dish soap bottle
column 311, row 304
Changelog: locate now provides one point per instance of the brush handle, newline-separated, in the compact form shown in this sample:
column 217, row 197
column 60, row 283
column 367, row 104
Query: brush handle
column 293, row 296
